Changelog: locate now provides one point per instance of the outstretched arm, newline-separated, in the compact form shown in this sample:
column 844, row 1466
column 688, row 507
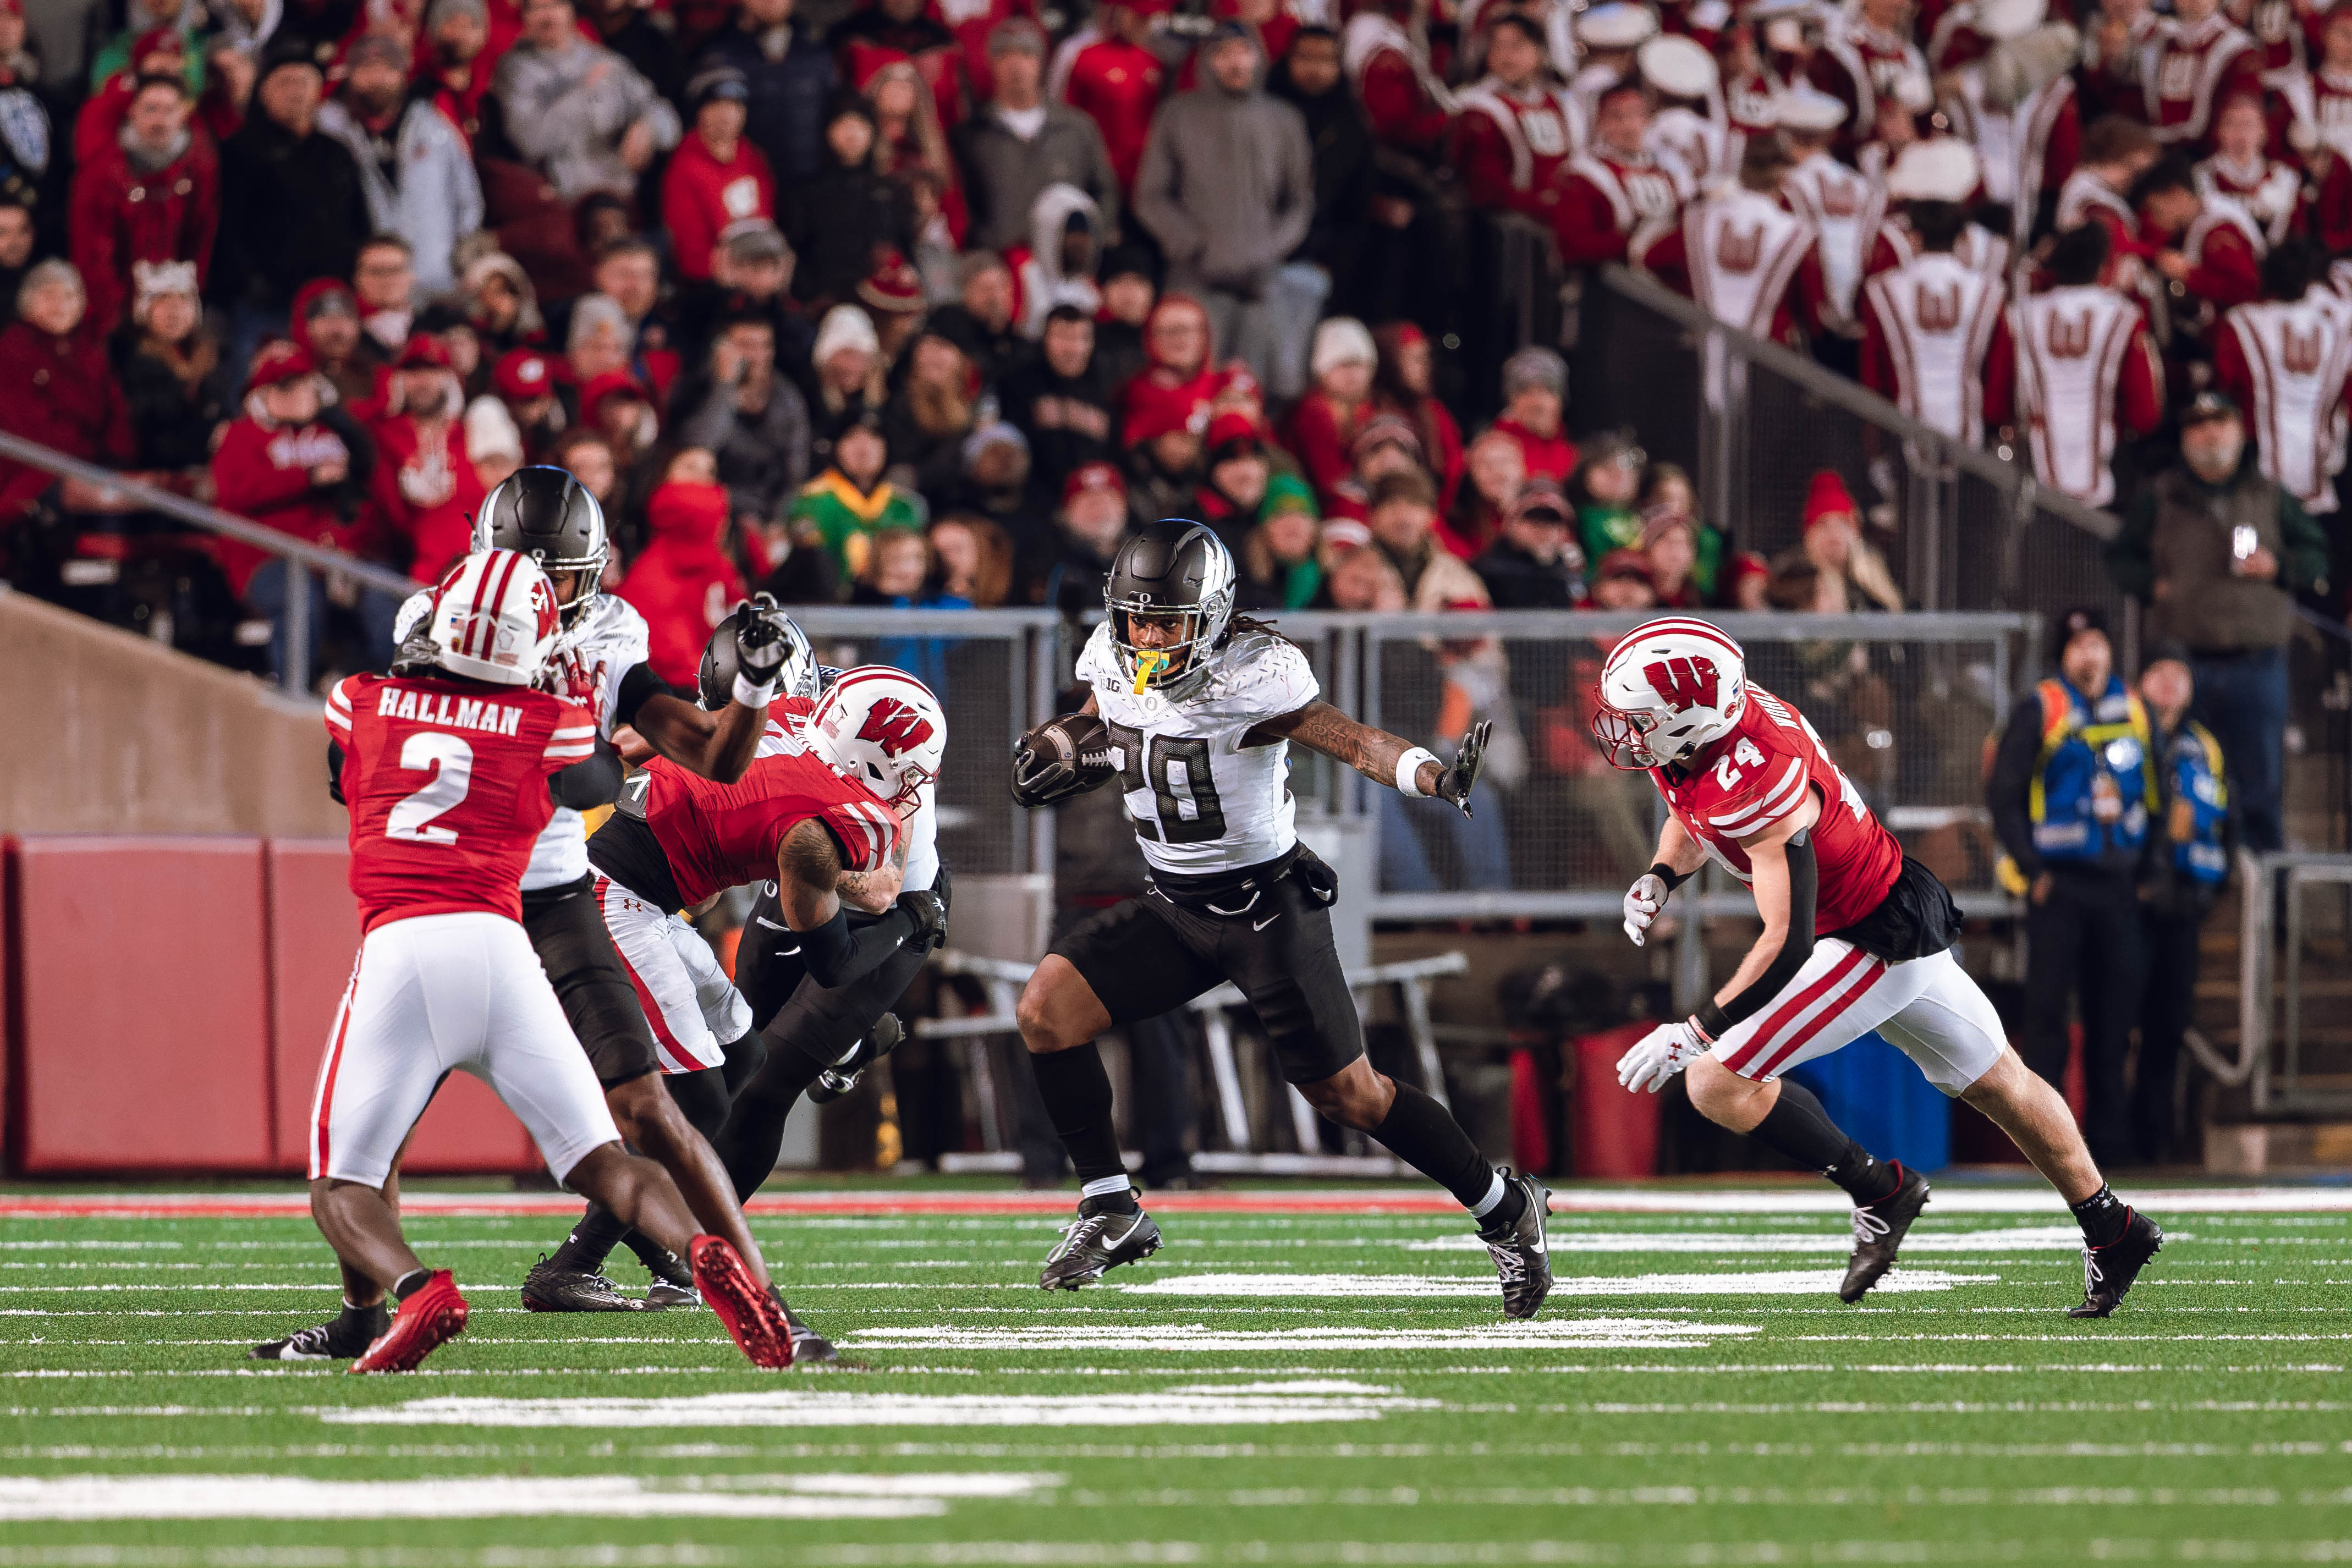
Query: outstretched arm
column 1378, row 755
column 716, row 746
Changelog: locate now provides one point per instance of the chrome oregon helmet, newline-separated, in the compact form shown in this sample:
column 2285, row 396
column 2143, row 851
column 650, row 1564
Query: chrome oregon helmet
column 545, row 514
column 715, row 681
column 1174, row 569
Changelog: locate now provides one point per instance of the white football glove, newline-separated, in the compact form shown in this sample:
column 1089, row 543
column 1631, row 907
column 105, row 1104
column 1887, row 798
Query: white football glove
column 1643, row 901
column 1659, row 1055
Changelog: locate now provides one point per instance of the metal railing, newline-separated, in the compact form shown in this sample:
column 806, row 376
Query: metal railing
column 2294, row 1027
column 301, row 558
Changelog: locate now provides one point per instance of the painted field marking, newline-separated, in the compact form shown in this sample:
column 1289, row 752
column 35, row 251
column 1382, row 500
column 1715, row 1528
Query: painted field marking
column 1545, row 1334
column 1773, row 1282
column 101, row 1497
column 2018, row 1239
column 811, row 1407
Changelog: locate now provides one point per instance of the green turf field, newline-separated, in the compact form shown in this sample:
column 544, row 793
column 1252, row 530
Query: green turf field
column 1325, row 1387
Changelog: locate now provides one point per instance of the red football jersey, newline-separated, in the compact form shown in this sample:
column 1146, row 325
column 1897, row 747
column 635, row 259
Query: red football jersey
column 1759, row 774
column 724, row 835
column 447, row 783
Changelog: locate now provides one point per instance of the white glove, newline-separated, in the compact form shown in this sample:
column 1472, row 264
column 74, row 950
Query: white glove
column 1659, row 1055
column 1643, row 901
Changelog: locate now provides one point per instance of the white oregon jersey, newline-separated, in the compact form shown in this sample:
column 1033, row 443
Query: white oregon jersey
column 1200, row 802
column 585, row 667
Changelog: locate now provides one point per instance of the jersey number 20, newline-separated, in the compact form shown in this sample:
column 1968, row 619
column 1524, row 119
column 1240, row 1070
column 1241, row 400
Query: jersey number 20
column 1158, row 773
column 453, row 763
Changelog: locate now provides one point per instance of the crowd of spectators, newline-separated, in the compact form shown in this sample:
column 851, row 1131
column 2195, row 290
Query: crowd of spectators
column 908, row 304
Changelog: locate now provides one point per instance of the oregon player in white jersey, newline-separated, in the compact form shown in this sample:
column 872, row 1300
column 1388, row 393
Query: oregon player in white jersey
column 1197, row 713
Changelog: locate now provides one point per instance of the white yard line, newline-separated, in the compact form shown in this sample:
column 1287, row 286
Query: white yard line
column 1774, row 1282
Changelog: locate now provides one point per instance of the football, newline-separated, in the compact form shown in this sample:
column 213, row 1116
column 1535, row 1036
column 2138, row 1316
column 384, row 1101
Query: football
column 1063, row 757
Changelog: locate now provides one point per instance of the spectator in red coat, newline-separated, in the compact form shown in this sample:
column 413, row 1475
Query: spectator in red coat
column 56, row 386
column 152, row 195
column 425, row 487
column 1327, row 419
column 281, row 466
column 1119, row 82
column 1177, row 385
column 684, row 584
column 716, row 177
column 525, row 381
column 1535, row 391
column 1403, row 385
column 616, row 406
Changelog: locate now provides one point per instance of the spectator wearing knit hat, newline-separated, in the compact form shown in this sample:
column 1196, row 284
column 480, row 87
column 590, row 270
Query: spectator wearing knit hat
column 152, row 196
column 718, row 176
column 292, row 207
column 1325, row 424
column 525, row 381
column 1404, row 384
column 846, row 377
column 838, row 513
column 683, row 582
column 502, row 303
column 415, row 166
column 1535, row 563
column 841, row 217
column 1018, row 143
column 578, row 111
column 981, row 317
column 462, row 41
column 1234, row 479
column 1847, row 573
column 1402, row 513
column 1090, row 524
column 1495, row 471
column 750, row 418
column 325, row 321
column 1535, row 396
column 994, row 490
column 1384, row 445
column 424, row 485
column 750, row 273
column 892, row 295
column 169, row 368
column 1279, row 567
column 790, row 75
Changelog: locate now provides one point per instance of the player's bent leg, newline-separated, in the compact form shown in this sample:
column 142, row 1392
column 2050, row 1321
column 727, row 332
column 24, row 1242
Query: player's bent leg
column 1060, row 1015
column 642, row 1193
column 651, row 1120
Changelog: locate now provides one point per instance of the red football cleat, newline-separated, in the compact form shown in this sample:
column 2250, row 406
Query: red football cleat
column 753, row 1316
column 428, row 1319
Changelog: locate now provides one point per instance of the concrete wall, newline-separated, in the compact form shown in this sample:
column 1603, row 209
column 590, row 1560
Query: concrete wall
column 111, row 733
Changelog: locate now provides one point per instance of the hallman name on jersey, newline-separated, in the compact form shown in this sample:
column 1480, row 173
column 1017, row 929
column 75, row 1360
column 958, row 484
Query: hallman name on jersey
column 470, row 713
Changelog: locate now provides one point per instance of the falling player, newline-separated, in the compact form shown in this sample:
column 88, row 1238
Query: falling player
column 452, row 765
column 1857, row 937
column 825, row 821
column 1198, row 712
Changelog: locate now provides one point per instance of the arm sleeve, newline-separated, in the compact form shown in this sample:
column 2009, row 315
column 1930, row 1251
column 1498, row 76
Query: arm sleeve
column 2012, row 776
column 593, row 782
column 1804, row 888
column 637, row 684
column 835, row 958
column 335, row 773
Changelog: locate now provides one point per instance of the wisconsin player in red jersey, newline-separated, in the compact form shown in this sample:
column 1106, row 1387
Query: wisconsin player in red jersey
column 452, row 765
column 1857, row 936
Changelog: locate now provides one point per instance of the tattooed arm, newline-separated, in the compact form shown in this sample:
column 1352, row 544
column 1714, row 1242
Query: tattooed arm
column 873, row 892
column 1374, row 753
column 809, row 875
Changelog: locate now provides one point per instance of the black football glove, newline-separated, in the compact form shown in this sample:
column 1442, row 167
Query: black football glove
column 1455, row 783
column 760, row 641
column 929, row 912
column 1041, row 776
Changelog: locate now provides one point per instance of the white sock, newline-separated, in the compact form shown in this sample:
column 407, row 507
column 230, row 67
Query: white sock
column 1486, row 1205
column 1106, row 1187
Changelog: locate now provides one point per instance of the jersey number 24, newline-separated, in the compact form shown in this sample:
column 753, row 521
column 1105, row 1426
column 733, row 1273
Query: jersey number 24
column 1158, row 771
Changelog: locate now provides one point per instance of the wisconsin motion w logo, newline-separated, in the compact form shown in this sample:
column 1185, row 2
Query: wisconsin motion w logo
column 894, row 726
column 1684, row 682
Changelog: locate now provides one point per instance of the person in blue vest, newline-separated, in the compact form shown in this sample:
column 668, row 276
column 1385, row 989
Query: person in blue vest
column 2072, row 793
column 2188, row 851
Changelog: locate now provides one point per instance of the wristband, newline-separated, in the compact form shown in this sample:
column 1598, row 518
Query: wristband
column 1668, row 876
column 1711, row 1023
column 751, row 695
column 1408, row 771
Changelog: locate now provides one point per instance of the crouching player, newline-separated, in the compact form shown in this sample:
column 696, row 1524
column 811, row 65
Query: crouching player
column 451, row 767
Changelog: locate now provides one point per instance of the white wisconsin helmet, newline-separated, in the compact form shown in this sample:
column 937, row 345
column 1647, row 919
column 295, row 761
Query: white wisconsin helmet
column 1672, row 687
column 494, row 618
column 884, row 728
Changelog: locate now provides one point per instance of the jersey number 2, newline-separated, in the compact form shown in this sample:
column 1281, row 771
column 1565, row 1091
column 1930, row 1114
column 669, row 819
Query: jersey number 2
column 453, row 763
column 1158, row 773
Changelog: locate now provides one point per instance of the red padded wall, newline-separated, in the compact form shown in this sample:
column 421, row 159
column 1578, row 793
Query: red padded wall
column 141, row 971
column 314, row 934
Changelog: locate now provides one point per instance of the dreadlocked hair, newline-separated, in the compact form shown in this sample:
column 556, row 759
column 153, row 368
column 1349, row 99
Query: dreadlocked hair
column 1240, row 623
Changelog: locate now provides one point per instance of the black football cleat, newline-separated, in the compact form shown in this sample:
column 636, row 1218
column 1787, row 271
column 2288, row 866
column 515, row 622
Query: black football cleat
column 662, row 1295
column 337, row 1341
column 549, row 1287
column 2108, row 1272
column 810, row 1348
column 673, row 1282
column 842, row 1077
column 1096, row 1241
column 1878, row 1232
column 1522, row 1253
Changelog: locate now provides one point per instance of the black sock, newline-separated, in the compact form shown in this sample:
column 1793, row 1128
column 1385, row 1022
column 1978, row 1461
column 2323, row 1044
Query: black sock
column 2102, row 1217
column 366, row 1320
column 1798, row 1127
column 591, row 1241
column 753, row 1133
column 659, row 1260
column 409, row 1284
column 1419, row 1132
column 1076, row 1092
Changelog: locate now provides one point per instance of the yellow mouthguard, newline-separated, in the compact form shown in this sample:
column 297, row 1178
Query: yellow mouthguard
column 1146, row 664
